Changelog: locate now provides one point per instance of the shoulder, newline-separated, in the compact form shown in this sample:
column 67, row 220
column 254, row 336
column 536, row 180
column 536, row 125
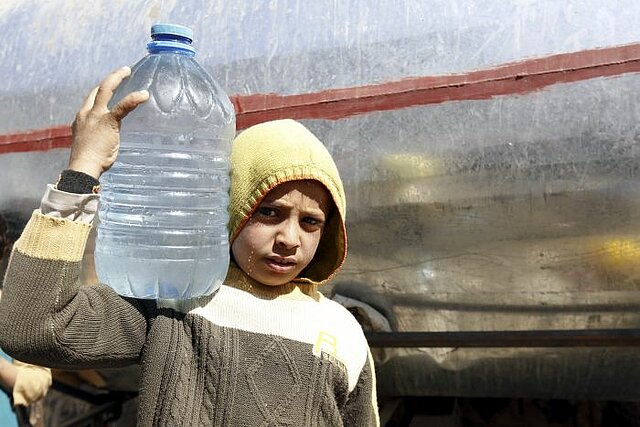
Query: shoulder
column 341, row 323
column 340, row 336
column 338, row 312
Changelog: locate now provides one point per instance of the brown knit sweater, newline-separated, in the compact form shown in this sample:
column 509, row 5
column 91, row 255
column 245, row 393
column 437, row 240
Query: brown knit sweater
column 247, row 356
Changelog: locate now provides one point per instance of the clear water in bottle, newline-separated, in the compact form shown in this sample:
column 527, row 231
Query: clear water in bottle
column 162, row 230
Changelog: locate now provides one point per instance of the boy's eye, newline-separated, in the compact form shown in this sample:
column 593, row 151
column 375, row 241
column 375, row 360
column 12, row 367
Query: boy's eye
column 269, row 212
column 312, row 221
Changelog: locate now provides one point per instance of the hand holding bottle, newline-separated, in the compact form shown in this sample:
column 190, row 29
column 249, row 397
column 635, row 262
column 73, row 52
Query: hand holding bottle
column 96, row 129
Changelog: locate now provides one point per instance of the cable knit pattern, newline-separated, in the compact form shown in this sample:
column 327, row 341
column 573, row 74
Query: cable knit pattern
column 207, row 344
column 274, row 357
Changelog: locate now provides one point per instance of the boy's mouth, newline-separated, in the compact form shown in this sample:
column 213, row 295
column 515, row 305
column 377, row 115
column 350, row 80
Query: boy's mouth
column 280, row 265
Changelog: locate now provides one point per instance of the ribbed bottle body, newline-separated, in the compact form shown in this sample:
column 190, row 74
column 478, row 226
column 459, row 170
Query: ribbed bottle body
column 162, row 230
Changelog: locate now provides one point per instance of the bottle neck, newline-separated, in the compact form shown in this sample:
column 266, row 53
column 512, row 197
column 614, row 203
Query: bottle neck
column 171, row 43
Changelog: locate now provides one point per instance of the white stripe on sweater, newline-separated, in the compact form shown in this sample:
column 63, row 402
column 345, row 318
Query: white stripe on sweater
column 324, row 324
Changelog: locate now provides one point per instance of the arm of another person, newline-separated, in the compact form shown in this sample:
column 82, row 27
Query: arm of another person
column 31, row 384
column 26, row 383
column 46, row 317
column 8, row 374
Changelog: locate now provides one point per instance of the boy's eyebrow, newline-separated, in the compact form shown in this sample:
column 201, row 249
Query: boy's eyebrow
column 315, row 212
column 276, row 203
column 282, row 204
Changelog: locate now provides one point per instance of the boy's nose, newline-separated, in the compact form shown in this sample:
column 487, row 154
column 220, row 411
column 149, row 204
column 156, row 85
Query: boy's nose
column 288, row 235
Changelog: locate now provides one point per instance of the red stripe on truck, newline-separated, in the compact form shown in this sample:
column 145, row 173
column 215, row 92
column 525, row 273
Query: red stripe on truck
column 516, row 78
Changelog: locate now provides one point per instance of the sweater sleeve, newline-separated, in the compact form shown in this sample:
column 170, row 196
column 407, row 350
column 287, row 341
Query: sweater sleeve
column 47, row 318
column 361, row 408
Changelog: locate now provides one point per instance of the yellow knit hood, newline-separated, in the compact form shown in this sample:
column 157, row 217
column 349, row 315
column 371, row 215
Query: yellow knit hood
column 268, row 154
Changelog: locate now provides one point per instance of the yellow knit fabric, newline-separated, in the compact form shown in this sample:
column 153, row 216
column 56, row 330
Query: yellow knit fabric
column 46, row 237
column 271, row 153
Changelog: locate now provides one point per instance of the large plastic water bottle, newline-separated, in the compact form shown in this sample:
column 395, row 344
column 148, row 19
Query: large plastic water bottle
column 162, row 230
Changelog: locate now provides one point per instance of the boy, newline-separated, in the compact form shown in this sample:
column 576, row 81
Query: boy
column 266, row 349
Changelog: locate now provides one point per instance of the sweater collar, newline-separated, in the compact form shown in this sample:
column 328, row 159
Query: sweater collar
column 238, row 279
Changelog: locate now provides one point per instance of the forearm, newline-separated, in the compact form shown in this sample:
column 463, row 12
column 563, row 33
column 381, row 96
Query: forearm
column 8, row 374
column 46, row 318
column 43, row 267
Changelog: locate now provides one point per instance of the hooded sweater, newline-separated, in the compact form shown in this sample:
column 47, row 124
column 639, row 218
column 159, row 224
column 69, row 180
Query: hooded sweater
column 248, row 355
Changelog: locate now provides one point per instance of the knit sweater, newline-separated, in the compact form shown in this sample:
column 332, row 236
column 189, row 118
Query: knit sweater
column 246, row 356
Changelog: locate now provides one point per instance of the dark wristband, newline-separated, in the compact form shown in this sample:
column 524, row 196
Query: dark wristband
column 71, row 181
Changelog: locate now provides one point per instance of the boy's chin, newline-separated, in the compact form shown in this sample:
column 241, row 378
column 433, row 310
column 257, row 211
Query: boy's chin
column 274, row 285
column 271, row 279
column 274, row 282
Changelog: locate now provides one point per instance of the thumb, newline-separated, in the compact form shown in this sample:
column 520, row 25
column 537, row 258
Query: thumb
column 128, row 104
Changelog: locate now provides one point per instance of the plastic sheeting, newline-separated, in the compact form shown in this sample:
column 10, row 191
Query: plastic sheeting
column 54, row 52
column 519, row 211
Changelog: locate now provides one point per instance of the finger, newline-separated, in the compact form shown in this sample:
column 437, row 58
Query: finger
column 109, row 85
column 87, row 104
column 128, row 104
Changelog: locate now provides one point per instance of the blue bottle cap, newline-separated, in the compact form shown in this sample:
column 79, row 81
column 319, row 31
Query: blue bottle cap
column 172, row 29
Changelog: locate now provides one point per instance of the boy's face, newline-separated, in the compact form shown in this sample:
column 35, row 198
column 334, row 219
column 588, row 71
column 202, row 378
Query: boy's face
column 281, row 237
